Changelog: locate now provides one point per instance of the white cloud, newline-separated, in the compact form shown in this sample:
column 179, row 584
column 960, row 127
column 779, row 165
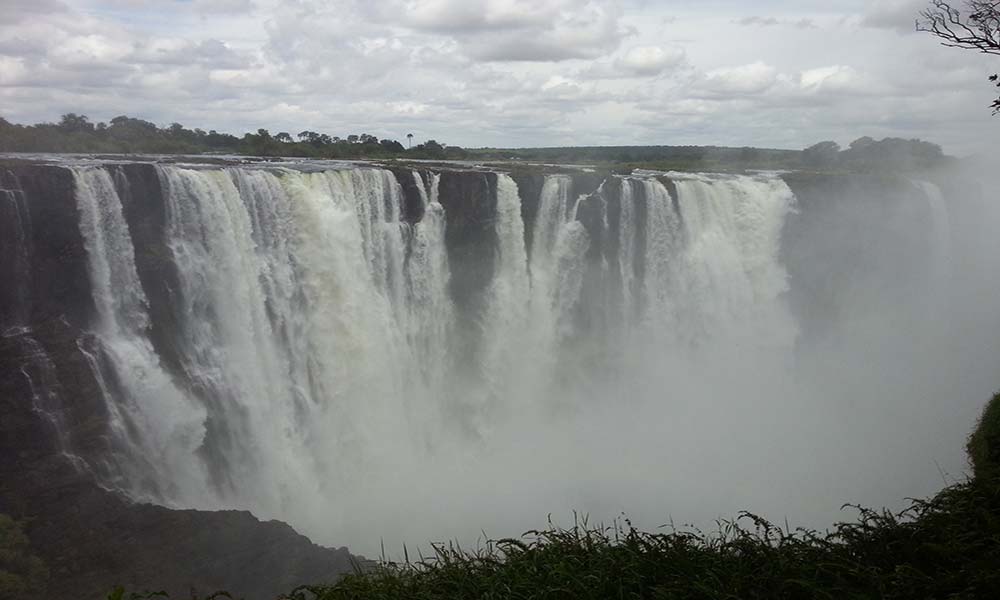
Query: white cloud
column 756, row 21
column 650, row 60
column 837, row 78
column 753, row 78
column 900, row 15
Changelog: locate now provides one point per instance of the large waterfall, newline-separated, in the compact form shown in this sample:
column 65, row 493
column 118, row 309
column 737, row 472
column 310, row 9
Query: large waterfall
column 310, row 357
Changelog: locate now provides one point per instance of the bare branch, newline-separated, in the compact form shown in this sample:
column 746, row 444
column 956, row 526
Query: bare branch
column 978, row 28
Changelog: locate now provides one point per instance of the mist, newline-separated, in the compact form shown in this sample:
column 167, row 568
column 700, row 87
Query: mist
column 874, row 408
column 672, row 348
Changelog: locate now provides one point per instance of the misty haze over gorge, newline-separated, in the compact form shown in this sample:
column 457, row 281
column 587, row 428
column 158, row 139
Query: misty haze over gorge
column 291, row 283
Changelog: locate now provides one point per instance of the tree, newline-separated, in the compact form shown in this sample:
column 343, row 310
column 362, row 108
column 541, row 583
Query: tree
column 392, row 145
column 23, row 575
column 72, row 122
column 823, row 154
column 977, row 27
column 430, row 149
column 283, row 137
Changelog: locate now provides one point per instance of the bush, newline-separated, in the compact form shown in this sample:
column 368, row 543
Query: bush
column 23, row 576
column 984, row 443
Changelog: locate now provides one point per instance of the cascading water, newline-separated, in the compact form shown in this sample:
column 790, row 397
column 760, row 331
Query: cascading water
column 317, row 377
column 559, row 244
column 149, row 414
column 940, row 230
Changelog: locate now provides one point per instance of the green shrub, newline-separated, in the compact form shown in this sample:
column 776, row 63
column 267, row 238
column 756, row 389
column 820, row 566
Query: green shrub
column 23, row 576
column 984, row 443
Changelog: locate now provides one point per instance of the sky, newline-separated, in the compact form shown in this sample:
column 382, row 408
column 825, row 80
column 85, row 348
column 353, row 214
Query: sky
column 507, row 73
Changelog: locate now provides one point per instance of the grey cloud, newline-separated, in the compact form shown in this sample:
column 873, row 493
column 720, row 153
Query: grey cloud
column 638, row 61
column 516, row 48
column 468, row 16
column 217, row 7
column 16, row 11
column 211, row 52
column 899, row 15
column 761, row 21
column 203, row 7
column 755, row 21
column 514, row 30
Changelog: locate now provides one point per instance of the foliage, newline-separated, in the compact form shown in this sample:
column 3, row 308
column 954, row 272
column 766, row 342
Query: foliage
column 713, row 158
column 976, row 27
column 864, row 154
column 891, row 153
column 125, row 135
column 119, row 594
column 984, row 443
column 823, row 154
column 23, row 576
column 946, row 547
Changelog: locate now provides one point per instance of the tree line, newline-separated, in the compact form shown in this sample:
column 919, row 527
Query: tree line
column 867, row 154
column 128, row 135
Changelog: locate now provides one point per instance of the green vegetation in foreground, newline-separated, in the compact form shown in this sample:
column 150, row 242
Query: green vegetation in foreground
column 944, row 547
column 23, row 576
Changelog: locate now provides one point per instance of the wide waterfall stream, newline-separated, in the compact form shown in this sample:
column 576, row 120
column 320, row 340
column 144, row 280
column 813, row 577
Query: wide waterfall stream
column 324, row 369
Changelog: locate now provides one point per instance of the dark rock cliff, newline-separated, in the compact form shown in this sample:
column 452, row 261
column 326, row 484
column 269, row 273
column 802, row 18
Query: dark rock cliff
column 470, row 203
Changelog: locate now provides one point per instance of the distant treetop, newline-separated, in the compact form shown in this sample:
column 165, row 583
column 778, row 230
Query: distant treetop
column 125, row 135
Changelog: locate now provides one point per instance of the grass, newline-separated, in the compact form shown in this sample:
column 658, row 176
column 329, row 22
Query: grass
column 947, row 546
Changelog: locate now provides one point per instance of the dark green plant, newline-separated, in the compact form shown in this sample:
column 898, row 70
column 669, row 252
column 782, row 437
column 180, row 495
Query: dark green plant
column 23, row 575
column 984, row 443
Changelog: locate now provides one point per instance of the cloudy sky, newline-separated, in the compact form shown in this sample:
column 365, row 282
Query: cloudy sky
column 776, row 73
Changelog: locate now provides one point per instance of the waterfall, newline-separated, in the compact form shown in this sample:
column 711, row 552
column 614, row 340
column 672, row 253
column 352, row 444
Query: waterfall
column 506, row 313
column 559, row 244
column 315, row 328
column 430, row 306
column 627, row 242
column 712, row 268
column 940, row 232
column 158, row 426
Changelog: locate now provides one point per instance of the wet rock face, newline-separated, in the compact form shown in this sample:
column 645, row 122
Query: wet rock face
column 46, row 307
column 59, row 286
column 413, row 205
column 529, row 187
column 144, row 209
column 470, row 203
